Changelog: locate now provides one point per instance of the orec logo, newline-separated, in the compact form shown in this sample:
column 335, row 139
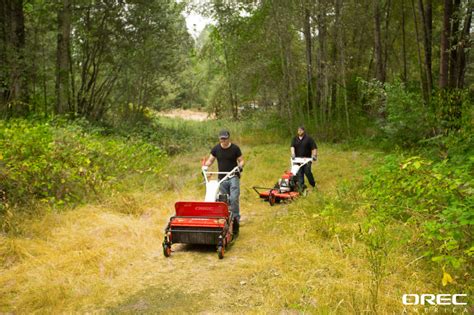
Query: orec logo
column 434, row 299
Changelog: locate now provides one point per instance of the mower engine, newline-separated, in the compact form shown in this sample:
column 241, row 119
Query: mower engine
column 286, row 183
column 287, row 187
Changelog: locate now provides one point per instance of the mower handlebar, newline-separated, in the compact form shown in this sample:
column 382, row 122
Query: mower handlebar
column 300, row 160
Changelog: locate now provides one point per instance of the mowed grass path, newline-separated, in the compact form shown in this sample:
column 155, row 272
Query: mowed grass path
column 290, row 257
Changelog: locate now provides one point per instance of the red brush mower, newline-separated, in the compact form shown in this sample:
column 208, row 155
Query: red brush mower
column 287, row 188
column 206, row 222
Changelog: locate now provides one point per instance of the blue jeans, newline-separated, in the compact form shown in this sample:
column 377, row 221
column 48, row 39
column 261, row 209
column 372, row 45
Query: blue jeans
column 232, row 188
column 306, row 170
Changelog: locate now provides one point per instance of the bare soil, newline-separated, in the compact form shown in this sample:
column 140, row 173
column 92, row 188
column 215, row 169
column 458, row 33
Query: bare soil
column 187, row 114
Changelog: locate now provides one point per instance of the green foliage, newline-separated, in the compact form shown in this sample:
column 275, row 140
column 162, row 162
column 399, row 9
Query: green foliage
column 403, row 118
column 407, row 118
column 176, row 135
column 453, row 110
column 434, row 195
column 153, row 52
column 58, row 162
column 121, row 52
column 377, row 241
column 372, row 95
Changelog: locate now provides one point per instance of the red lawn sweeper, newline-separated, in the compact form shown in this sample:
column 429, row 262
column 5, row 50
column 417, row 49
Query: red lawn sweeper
column 203, row 222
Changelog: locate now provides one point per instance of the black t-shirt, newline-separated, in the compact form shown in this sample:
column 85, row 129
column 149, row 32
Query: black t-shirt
column 304, row 146
column 226, row 158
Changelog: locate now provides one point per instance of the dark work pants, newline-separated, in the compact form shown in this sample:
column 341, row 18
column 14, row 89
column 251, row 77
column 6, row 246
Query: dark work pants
column 306, row 170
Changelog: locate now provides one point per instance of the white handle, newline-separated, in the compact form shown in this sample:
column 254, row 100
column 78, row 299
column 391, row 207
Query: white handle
column 228, row 174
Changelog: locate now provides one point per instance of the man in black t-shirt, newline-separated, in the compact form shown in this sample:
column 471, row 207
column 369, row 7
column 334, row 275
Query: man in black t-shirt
column 304, row 146
column 228, row 156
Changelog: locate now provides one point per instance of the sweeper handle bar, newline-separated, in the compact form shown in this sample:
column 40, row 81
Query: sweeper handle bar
column 228, row 175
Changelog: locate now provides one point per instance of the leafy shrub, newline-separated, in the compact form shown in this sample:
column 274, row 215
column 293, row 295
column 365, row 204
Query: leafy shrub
column 403, row 117
column 62, row 163
column 436, row 196
column 175, row 135
column 453, row 110
column 401, row 114
column 373, row 97
column 407, row 118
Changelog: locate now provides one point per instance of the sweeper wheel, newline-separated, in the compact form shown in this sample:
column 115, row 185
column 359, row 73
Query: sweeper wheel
column 166, row 250
column 220, row 251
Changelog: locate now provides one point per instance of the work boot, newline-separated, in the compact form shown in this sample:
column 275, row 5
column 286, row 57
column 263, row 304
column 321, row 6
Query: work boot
column 302, row 188
column 236, row 226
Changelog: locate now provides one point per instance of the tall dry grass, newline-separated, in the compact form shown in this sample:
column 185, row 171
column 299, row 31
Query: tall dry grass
column 308, row 256
column 93, row 256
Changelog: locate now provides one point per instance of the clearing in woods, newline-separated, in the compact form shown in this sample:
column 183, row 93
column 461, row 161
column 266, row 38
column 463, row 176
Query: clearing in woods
column 306, row 256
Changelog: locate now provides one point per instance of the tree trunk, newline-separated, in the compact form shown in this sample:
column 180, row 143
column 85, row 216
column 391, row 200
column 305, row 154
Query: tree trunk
column 19, row 91
column 404, row 46
column 13, row 81
column 232, row 93
column 426, row 19
column 454, row 36
column 342, row 60
column 309, row 63
column 63, row 96
column 4, row 18
column 284, row 91
column 385, row 42
column 462, row 47
column 72, row 100
column 44, row 83
column 379, row 67
column 420, row 63
column 34, row 68
column 444, row 48
column 322, row 93
column 90, row 95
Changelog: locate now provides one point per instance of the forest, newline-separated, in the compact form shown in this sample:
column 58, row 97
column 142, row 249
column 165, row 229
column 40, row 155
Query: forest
column 90, row 168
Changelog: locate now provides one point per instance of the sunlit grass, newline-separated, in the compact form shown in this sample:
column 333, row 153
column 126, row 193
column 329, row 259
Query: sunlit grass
column 307, row 256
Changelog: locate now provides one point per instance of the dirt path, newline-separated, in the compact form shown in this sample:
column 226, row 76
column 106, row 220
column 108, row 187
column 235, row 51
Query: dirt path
column 186, row 114
column 300, row 257
column 281, row 262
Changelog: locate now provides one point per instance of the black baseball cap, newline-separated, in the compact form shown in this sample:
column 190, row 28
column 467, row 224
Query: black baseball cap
column 224, row 134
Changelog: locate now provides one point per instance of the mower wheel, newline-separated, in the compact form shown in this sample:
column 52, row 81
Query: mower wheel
column 166, row 250
column 220, row 251
column 271, row 199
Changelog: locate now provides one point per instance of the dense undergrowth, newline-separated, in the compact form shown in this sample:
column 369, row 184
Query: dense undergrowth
column 423, row 187
column 56, row 163
column 429, row 192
